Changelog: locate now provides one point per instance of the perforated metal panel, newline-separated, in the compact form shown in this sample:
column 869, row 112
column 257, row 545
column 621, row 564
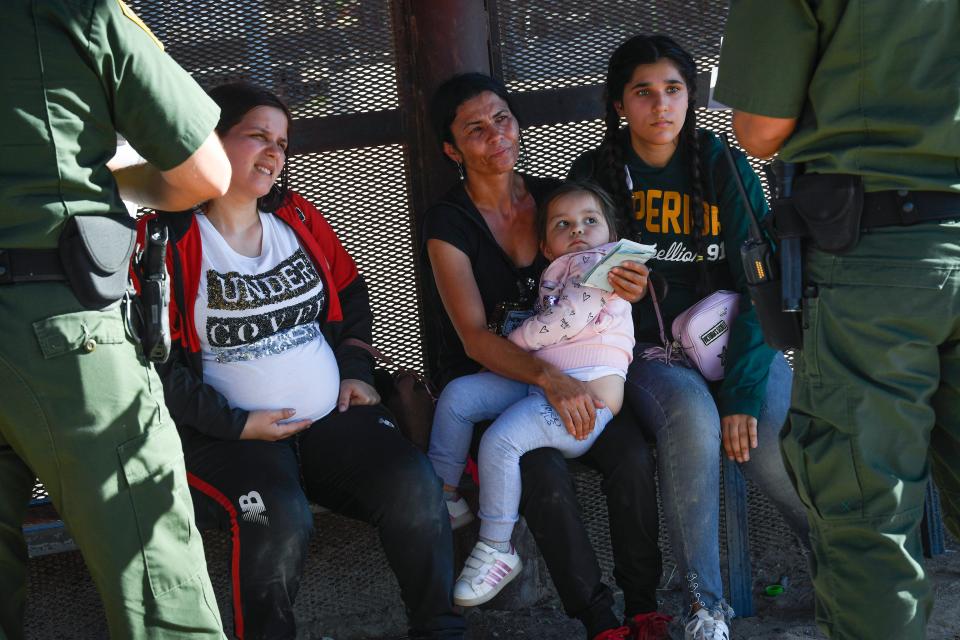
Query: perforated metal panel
column 769, row 533
column 562, row 43
column 551, row 149
column 363, row 193
column 323, row 58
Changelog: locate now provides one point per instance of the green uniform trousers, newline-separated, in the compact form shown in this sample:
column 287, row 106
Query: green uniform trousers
column 876, row 400
column 81, row 410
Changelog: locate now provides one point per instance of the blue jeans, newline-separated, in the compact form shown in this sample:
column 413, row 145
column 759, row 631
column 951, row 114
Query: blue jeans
column 676, row 407
column 523, row 421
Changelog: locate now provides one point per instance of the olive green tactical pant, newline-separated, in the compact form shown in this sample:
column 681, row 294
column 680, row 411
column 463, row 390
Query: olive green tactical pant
column 876, row 400
column 83, row 412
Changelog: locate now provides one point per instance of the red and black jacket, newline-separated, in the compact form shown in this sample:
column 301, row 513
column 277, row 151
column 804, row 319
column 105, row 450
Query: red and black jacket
column 196, row 405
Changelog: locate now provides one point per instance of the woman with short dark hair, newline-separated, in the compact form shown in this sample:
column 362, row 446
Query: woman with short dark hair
column 482, row 248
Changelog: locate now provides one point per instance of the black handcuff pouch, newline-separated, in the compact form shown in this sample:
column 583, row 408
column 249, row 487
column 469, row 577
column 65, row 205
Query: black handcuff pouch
column 95, row 251
column 830, row 206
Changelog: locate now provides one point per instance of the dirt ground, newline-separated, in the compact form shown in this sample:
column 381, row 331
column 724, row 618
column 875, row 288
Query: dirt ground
column 63, row 604
column 785, row 617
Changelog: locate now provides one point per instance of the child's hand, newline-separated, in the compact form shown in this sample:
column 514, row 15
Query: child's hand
column 739, row 436
column 356, row 392
column 629, row 280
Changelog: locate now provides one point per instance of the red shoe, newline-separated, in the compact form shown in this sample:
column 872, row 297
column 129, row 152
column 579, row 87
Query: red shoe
column 649, row 626
column 620, row 633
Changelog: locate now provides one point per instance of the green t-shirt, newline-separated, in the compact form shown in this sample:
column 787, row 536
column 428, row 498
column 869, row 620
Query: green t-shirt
column 75, row 74
column 875, row 84
column 662, row 216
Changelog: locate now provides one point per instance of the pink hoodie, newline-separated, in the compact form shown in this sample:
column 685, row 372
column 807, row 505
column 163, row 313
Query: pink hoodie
column 578, row 325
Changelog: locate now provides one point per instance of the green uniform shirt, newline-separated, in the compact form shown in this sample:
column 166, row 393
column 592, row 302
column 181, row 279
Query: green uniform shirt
column 662, row 213
column 65, row 99
column 864, row 107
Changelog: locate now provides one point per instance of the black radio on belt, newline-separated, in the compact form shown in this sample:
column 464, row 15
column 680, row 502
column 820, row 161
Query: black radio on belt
column 155, row 293
column 781, row 329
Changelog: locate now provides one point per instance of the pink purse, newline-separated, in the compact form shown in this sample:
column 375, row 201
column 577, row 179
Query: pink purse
column 701, row 333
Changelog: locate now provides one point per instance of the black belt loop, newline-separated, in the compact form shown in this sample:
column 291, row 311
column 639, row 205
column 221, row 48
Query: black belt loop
column 30, row 265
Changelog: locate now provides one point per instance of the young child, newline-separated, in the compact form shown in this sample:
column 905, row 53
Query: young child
column 584, row 331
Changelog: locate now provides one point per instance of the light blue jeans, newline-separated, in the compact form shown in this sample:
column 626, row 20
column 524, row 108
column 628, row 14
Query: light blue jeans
column 676, row 407
column 523, row 421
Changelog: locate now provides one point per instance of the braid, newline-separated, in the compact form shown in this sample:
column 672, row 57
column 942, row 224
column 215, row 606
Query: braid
column 697, row 201
column 610, row 172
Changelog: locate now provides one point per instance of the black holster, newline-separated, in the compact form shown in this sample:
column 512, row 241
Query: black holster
column 824, row 209
column 154, row 299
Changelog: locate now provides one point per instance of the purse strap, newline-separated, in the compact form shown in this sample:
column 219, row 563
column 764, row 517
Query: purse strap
column 387, row 360
column 369, row 348
column 667, row 352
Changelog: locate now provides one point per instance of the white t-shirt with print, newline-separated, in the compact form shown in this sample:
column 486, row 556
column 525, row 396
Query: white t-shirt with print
column 257, row 320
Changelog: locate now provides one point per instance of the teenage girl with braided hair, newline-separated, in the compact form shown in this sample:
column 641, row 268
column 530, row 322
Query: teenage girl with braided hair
column 674, row 190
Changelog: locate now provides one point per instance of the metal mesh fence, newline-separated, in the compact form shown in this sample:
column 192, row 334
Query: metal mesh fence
column 551, row 149
column 561, row 43
column 762, row 516
column 323, row 58
column 363, row 193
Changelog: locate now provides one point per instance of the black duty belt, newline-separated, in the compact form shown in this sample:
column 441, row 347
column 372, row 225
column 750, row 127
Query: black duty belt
column 902, row 207
column 30, row 265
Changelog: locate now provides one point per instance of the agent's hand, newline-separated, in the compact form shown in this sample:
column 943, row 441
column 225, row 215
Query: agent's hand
column 629, row 281
column 573, row 402
column 356, row 392
column 739, row 436
column 264, row 424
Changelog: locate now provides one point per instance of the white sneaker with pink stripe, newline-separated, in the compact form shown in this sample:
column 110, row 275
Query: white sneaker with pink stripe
column 485, row 574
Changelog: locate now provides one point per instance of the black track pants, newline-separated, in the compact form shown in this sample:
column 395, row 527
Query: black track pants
column 355, row 463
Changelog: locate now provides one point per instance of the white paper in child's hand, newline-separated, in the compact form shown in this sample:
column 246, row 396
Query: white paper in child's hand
column 623, row 251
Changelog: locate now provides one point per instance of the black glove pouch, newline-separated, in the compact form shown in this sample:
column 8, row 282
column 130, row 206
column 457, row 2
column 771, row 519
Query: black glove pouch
column 95, row 251
column 831, row 205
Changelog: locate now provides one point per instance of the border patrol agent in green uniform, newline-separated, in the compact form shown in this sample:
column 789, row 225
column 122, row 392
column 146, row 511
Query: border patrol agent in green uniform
column 871, row 89
column 79, row 406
